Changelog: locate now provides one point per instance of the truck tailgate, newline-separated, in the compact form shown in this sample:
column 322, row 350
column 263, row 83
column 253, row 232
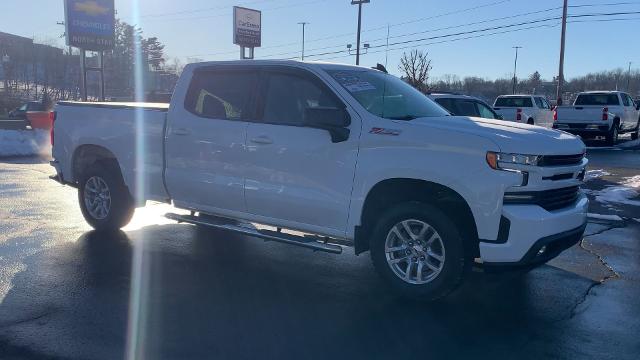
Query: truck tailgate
column 586, row 114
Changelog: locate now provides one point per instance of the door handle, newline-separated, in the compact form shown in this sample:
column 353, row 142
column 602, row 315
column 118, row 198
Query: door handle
column 262, row 140
column 182, row 131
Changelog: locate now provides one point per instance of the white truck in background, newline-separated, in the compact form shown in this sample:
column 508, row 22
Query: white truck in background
column 351, row 156
column 527, row 109
column 599, row 113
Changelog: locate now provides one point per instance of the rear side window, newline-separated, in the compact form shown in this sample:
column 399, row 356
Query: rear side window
column 221, row 95
column 597, row 99
column 514, row 102
column 484, row 111
column 626, row 101
column 288, row 96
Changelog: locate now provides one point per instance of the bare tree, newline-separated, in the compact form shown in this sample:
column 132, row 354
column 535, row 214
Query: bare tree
column 415, row 67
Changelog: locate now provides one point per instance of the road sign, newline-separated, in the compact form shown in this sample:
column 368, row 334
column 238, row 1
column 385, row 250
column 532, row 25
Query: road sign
column 247, row 27
column 90, row 24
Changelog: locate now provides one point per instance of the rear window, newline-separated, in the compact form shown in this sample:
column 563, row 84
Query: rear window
column 597, row 99
column 513, row 102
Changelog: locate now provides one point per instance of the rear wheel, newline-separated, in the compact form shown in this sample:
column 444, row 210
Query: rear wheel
column 612, row 136
column 104, row 198
column 530, row 121
column 419, row 251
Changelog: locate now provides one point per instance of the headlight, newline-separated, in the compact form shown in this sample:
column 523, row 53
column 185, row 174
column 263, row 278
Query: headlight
column 502, row 161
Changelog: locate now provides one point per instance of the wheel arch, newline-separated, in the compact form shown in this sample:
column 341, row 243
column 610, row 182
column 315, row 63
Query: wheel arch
column 86, row 155
column 393, row 191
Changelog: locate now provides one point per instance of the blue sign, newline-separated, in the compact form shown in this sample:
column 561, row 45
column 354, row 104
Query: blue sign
column 90, row 24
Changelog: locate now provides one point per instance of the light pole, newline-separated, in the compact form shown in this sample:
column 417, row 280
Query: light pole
column 303, row 23
column 359, row 3
column 5, row 72
column 629, row 76
column 515, row 68
column 561, row 68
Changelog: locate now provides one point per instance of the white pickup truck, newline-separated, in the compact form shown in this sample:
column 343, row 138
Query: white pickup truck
column 344, row 155
column 599, row 113
column 528, row 109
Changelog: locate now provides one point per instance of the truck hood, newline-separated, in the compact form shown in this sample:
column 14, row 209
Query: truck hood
column 510, row 137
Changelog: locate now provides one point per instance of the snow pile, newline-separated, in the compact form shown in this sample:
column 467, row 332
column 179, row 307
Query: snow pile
column 594, row 174
column 24, row 142
column 604, row 217
column 622, row 194
column 630, row 144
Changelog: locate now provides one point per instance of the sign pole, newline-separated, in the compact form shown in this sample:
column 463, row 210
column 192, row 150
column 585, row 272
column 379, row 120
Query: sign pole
column 83, row 75
column 101, row 75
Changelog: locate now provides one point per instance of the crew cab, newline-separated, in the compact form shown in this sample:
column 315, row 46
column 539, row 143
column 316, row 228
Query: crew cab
column 529, row 109
column 599, row 113
column 325, row 156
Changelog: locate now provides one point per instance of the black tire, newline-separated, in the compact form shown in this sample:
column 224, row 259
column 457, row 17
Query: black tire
column 455, row 264
column 612, row 135
column 120, row 206
column 531, row 122
column 634, row 134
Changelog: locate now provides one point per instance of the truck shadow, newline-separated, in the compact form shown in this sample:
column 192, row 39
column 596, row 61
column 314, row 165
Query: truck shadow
column 210, row 294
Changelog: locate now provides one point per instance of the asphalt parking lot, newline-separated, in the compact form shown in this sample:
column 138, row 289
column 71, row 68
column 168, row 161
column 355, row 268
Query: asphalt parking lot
column 163, row 290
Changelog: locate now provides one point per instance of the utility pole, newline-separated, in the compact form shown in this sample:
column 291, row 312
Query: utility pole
column 386, row 52
column 515, row 69
column 303, row 23
column 629, row 76
column 562, row 39
column 359, row 3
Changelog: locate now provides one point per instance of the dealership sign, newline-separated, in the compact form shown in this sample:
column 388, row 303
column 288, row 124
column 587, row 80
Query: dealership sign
column 246, row 27
column 90, row 24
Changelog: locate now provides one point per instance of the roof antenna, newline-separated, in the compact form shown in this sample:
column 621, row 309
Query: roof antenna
column 380, row 67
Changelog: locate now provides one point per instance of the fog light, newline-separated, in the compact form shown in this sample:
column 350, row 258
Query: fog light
column 542, row 250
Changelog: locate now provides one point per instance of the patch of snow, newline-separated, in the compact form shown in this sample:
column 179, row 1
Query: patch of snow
column 621, row 194
column 594, row 174
column 604, row 217
column 628, row 144
column 24, row 142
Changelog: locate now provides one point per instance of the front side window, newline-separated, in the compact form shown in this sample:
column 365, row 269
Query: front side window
column 539, row 102
column 447, row 104
column 221, row 95
column 466, row 108
column 485, row 112
column 288, row 96
column 385, row 95
column 625, row 100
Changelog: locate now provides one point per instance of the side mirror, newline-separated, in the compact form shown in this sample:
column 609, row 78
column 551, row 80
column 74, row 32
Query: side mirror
column 638, row 107
column 334, row 120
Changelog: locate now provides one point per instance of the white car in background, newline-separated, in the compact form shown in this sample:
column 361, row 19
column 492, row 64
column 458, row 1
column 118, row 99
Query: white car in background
column 527, row 109
column 464, row 105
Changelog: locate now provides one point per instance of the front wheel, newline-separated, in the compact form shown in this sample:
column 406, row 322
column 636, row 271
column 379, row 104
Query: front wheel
column 419, row 251
column 104, row 198
column 634, row 134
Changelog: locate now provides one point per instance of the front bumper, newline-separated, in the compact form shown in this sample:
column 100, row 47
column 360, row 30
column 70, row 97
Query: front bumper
column 530, row 228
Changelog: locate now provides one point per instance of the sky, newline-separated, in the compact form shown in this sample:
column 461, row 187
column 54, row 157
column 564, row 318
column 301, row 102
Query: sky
column 202, row 29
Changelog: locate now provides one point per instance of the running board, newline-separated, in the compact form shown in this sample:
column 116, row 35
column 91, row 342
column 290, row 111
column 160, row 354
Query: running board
column 311, row 242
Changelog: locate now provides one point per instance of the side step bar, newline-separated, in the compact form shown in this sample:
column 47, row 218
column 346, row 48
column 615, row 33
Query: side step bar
column 311, row 242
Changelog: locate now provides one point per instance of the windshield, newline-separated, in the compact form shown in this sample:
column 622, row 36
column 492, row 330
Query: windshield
column 513, row 102
column 386, row 96
column 597, row 99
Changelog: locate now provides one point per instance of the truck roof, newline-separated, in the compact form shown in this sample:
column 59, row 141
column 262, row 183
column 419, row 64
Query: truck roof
column 295, row 63
column 601, row 92
column 516, row 95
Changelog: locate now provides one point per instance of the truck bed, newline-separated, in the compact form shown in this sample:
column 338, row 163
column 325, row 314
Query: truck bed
column 580, row 114
column 132, row 132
